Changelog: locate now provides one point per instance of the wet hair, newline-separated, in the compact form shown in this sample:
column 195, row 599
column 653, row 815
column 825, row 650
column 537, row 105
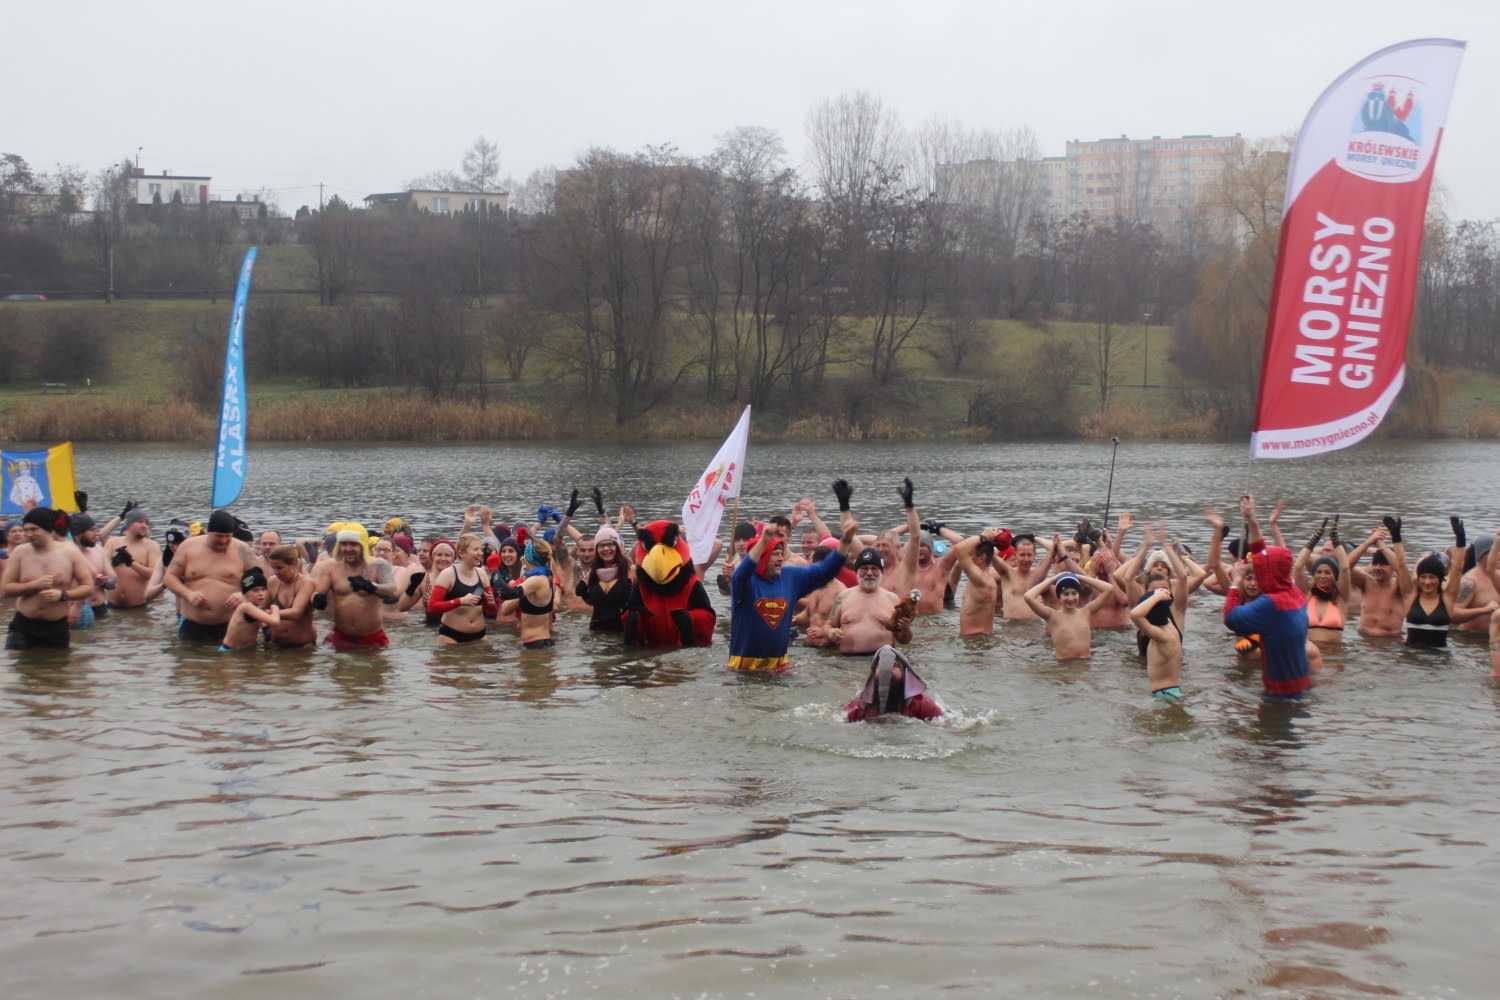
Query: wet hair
column 779, row 519
column 744, row 531
column 285, row 554
column 985, row 549
column 820, row 553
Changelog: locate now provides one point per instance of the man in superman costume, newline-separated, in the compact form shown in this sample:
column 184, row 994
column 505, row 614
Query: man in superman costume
column 668, row 606
column 764, row 595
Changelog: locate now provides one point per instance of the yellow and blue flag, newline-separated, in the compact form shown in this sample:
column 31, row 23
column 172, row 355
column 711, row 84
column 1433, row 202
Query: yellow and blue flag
column 38, row 479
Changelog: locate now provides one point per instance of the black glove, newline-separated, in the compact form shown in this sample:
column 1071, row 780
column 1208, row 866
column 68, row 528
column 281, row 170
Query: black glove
column 82, row 500
column 684, row 622
column 122, row 557
column 843, row 491
column 358, row 583
column 930, row 526
column 573, row 504
column 320, row 602
column 1333, row 531
column 1085, row 528
column 599, row 501
column 905, row 489
column 1459, row 538
column 415, row 582
column 1393, row 525
column 130, row 505
column 1317, row 536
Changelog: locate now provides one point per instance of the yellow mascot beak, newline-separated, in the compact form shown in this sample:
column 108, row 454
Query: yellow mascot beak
column 662, row 564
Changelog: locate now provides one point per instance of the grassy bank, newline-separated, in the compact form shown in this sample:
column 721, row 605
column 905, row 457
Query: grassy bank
column 136, row 394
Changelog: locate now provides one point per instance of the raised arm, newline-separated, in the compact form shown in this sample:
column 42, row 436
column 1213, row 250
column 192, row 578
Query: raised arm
column 1104, row 590
column 1033, row 598
column 1252, row 525
column 1398, row 563
column 1126, row 522
column 1305, row 555
column 1492, row 564
column 1275, row 523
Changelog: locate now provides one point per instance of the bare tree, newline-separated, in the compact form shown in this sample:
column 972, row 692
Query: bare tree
column 337, row 237
column 534, row 195
column 481, row 165
column 437, row 180
column 113, row 192
column 516, row 330
column 1112, row 273
column 618, row 244
column 213, row 231
column 852, row 140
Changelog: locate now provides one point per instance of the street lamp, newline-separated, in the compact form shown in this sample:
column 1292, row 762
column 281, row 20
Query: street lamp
column 1146, row 351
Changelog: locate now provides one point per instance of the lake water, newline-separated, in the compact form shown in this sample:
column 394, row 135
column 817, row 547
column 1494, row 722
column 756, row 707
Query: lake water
column 492, row 822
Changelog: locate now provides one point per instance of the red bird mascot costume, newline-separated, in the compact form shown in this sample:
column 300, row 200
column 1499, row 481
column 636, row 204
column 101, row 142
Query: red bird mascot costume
column 668, row 607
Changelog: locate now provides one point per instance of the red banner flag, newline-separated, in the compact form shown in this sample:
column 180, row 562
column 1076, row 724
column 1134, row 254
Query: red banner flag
column 1351, row 234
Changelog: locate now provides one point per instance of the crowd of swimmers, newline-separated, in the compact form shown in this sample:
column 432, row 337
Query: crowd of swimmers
column 841, row 588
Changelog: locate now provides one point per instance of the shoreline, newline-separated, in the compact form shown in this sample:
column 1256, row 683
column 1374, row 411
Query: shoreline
column 391, row 417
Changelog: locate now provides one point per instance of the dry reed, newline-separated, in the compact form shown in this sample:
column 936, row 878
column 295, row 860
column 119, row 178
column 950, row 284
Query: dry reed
column 399, row 418
column 823, row 428
column 64, row 419
column 1133, row 420
column 1483, row 423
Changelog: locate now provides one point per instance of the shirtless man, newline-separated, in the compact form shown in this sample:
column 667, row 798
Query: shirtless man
column 134, row 559
column 975, row 557
column 812, row 619
column 930, row 575
column 1016, row 580
column 1384, row 611
column 44, row 575
column 268, row 540
column 861, row 618
column 205, row 575
column 1153, row 568
column 358, row 586
column 1477, row 589
column 1115, row 612
column 1069, row 621
column 86, row 538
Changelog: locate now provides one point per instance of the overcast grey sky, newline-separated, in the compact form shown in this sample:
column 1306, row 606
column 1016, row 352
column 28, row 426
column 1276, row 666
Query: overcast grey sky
column 365, row 95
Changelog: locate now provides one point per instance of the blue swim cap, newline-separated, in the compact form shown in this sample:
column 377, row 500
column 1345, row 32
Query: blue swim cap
column 940, row 547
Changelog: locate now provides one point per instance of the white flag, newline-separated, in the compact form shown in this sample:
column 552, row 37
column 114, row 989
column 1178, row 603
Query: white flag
column 703, row 510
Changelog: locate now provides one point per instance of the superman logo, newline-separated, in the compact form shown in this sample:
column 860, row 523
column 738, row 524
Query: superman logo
column 772, row 610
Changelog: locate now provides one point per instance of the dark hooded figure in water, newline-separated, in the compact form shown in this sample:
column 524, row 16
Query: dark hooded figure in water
column 893, row 688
